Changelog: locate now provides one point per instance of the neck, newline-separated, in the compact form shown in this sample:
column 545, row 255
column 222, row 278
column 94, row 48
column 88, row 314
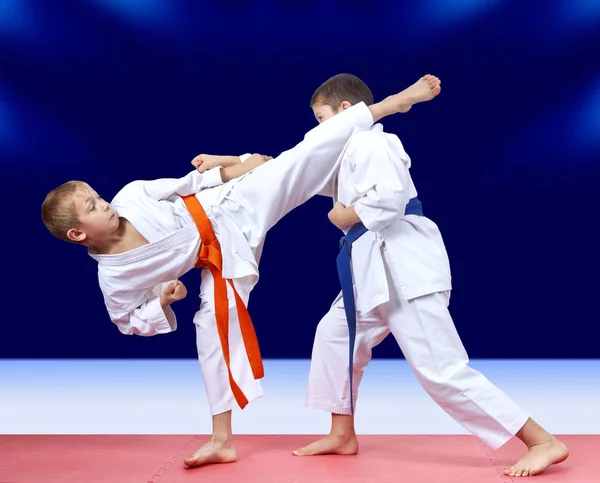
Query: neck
column 110, row 244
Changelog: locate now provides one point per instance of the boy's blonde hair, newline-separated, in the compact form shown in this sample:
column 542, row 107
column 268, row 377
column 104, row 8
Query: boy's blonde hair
column 58, row 210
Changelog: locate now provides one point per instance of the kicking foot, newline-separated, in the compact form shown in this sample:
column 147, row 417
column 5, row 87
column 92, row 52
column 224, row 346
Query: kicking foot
column 332, row 444
column 213, row 452
column 539, row 457
column 425, row 89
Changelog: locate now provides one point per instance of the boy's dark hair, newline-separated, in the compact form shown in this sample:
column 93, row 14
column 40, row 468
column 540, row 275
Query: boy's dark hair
column 340, row 88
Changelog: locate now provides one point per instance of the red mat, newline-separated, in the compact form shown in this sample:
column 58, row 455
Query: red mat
column 268, row 459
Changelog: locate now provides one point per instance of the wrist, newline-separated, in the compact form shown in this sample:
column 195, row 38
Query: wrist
column 350, row 216
column 165, row 301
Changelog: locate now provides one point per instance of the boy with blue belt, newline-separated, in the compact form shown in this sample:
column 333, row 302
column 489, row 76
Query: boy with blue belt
column 394, row 259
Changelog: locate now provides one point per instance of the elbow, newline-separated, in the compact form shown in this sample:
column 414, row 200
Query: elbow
column 396, row 203
column 127, row 329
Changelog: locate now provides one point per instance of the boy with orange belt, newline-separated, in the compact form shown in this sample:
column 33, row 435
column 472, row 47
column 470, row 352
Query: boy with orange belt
column 155, row 231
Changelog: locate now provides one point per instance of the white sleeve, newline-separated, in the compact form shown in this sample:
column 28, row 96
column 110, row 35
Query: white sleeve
column 149, row 318
column 244, row 157
column 329, row 188
column 190, row 184
column 382, row 179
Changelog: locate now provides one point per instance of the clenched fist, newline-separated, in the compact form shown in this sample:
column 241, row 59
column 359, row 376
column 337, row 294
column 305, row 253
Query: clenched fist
column 204, row 162
column 172, row 293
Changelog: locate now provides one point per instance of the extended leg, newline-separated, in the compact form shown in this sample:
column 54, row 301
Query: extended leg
column 271, row 191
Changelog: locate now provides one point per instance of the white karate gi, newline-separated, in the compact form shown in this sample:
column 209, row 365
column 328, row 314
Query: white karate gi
column 402, row 285
column 241, row 212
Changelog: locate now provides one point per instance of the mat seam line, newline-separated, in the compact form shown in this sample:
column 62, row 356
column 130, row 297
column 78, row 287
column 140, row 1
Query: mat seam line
column 164, row 469
column 495, row 461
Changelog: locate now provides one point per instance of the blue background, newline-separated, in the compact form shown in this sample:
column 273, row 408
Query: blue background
column 506, row 160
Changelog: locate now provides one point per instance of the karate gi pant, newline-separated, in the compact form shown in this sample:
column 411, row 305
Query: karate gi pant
column 432, row 347
column 255, row 204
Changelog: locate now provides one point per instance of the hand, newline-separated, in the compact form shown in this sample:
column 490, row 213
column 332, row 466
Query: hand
column 172, row 293
column 204, row 162
column 339, row 216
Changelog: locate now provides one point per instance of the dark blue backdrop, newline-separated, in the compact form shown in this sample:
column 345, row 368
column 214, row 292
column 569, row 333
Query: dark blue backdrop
column 506, row 160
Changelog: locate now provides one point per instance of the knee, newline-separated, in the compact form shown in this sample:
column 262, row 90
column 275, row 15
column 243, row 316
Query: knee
column 443, row 382
column 329, row 331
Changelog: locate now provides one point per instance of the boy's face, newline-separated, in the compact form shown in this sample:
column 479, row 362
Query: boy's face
column 97, row 220
column 323, row 112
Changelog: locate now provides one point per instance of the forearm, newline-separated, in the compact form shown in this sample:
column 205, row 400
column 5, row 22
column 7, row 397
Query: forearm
column 227, row 161
column 240, row 169
column 232, row 172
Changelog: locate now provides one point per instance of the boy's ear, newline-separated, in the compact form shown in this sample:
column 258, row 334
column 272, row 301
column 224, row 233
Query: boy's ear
column 76, row 236
column 345, row 105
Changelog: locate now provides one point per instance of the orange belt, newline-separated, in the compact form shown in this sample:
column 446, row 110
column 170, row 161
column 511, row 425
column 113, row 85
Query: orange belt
column 210, row 256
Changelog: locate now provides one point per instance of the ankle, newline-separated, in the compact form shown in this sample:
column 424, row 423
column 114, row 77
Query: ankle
column 539, row 442
column 343, row 433
column 342, row 426
column 221, row 438
column 532, row 434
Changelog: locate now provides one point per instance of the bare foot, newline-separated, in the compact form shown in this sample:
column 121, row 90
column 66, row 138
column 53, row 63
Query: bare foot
column 425, row 89
column 212, row 452
column 332, row 444
column 539, row 457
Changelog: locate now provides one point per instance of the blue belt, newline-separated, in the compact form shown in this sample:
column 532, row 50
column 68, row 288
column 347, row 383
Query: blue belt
column 344, row 267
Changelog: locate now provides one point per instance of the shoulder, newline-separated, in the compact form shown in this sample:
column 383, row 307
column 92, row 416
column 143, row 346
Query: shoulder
column 128, row 192
column 367, row 141
column 368, row 135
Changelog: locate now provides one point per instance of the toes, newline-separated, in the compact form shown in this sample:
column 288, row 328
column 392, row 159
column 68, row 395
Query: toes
column 305, row 451
column 191, row 459
column 194, row 460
